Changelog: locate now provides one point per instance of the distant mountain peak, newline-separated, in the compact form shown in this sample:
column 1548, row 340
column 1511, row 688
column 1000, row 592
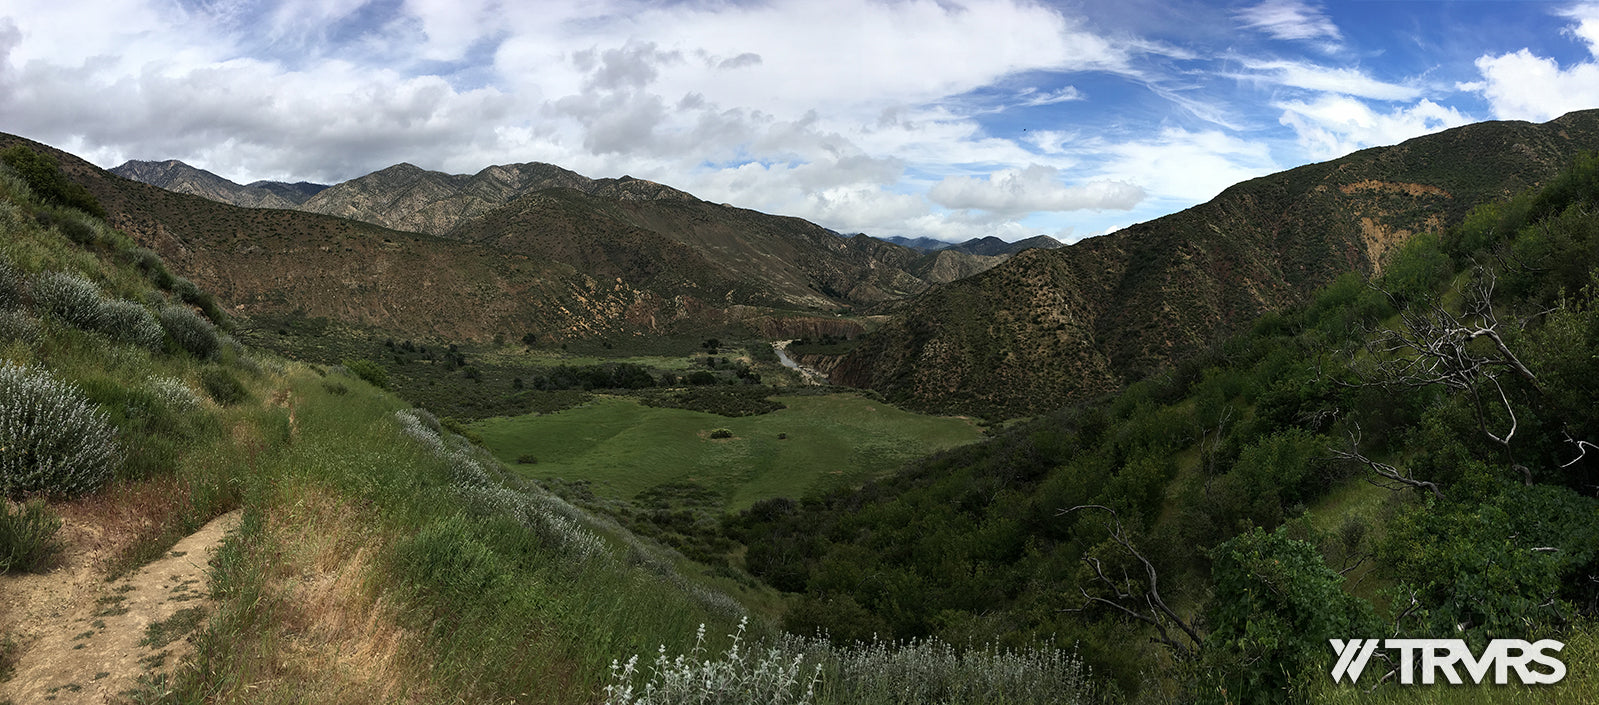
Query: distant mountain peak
column 989, row 246
column 174, row 175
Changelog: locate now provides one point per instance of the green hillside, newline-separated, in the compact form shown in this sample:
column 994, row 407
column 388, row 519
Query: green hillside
column 1063, row 326
column 1410, row 456
column 381, row 557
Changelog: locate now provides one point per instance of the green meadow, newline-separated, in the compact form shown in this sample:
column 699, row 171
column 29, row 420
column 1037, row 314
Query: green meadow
column 624, row 447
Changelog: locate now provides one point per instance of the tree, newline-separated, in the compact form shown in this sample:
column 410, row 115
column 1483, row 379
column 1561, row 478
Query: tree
column 1276, row 605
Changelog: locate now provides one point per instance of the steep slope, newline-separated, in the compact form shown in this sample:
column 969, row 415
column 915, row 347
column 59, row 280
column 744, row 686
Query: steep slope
column 1050, row 327
column 176, row 176
column 286, row 262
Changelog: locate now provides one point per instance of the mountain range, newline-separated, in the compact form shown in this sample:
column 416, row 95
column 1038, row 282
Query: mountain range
column 1054, row 327
column 971, row 328
column 988, row 246
column 511, row 250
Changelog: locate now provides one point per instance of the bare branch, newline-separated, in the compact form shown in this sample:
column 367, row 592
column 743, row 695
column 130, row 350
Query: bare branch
column 1392, row 477
column 1433, row 346
column 1582, row 449
column 1155, row 611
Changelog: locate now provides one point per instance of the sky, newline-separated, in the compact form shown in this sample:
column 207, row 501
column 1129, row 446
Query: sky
column 949, row 119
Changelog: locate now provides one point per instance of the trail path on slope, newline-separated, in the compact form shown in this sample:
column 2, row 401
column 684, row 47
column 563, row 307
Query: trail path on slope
column 84, row 640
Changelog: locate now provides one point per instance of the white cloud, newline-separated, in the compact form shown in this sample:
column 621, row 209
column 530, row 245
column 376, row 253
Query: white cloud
column 1289, row 20
column 1352, row 82
column 1014, row 192
column 1034, row 98
column 1587, row 28
column 1333, row 126
column 1521, row 86
column 1178, row 166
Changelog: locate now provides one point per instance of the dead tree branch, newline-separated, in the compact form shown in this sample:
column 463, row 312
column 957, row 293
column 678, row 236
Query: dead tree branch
column 1153, row 610
column 1391, row 478
column 1436, row 346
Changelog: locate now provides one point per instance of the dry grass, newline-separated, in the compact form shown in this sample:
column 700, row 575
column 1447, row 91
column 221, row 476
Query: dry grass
column 129, row 515
column 338, row 640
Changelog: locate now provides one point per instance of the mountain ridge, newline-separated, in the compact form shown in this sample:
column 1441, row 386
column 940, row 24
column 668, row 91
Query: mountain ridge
column 529, row 249
column 174, row 175
column 1053, row 327
column 983, row 246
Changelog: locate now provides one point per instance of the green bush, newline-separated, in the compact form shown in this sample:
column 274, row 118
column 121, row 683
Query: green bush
column 52, row 439
column 526, row 459
column 128, row 322
column 13, row 285
column 69, row 298
column 222, row 385
column 44, row 177
column 74, row 227
column 721, row 433
column 1276, row 605
column 370, row 371
column 27, row 536
column 191, row 332
column 192, row 295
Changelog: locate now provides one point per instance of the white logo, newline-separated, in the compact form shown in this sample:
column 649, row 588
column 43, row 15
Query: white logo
column 1443, row 655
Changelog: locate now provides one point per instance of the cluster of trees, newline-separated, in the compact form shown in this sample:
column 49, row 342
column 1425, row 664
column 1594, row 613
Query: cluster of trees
column 1189, row 520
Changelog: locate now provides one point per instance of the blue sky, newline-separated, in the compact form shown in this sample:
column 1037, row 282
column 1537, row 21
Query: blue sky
column 950, row 119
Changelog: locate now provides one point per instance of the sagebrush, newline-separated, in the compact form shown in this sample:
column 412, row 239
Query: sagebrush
column 53, row 440
column 190, row 331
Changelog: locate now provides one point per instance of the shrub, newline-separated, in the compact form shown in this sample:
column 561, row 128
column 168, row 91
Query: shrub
column 222, row 385
column 810, row 670
column 151, row 265
column 174, row 394
column 16, row 325
column 370, row 371
column 527, row 459
column 76, row 229
column 27, row 536
column 721, row 433
column 192, row 295
column 128, row 322
column 191, row 332
column 68, row 297
column 47, row 182
column 52, row 439
column 13, row 285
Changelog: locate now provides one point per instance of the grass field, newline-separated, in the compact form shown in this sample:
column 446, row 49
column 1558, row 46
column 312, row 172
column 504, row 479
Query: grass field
column 624, row 447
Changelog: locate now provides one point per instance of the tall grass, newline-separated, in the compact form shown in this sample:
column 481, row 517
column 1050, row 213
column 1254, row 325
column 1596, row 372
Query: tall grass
column 813, row 671
column 27, row 536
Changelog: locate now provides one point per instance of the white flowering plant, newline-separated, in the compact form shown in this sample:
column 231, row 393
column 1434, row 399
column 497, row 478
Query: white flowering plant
column 53, row 440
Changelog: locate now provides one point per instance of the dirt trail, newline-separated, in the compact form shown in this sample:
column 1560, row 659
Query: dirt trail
column 84, row 640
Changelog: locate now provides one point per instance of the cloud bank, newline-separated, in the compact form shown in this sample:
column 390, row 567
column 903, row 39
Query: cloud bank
column 912, row 117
